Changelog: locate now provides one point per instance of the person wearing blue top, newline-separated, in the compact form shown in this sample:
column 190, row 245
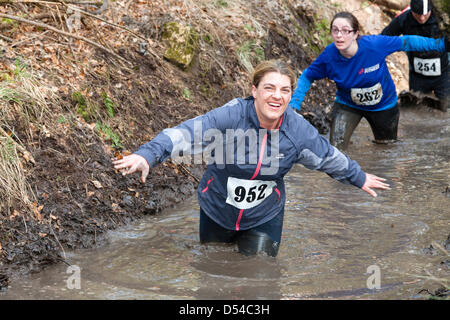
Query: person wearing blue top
column 428, row 71
column 242, row 192
column 357, row 64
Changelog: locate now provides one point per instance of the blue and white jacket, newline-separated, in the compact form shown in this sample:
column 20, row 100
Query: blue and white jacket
column 243, row 184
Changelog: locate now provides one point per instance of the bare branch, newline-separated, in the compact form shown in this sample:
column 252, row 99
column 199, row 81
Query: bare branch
column 56, row 2
column 46, row 26
column 65, row 3
column 107, row 22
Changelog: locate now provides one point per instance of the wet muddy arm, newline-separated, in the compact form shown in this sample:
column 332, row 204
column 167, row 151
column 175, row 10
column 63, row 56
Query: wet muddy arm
column 303, row 86
column 180, row 141
column 316, row 71
column 192, row 136
column 156, row 150
column 418, row 43
column 337, row 165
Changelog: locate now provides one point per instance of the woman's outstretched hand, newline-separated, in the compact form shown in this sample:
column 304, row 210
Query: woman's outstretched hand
column 374, row 182
column 132, row 163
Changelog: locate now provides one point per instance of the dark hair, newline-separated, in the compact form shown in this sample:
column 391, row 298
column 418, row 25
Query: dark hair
column 273, row 66
column 350, row 18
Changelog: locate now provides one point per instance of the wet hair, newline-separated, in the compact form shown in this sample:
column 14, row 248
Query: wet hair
column 273, row 66
column 354, row 23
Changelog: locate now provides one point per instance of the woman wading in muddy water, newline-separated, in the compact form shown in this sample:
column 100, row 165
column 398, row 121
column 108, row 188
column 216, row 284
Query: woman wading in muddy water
column 357, row 64
column 242, row 193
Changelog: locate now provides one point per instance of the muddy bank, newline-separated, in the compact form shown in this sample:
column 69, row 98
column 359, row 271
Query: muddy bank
column 79, row 195
column 439, row 249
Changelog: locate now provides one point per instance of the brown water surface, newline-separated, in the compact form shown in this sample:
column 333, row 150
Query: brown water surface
column 332, row 234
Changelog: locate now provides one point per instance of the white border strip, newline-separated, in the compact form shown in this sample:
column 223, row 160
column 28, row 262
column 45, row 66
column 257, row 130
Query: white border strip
column 425, row 7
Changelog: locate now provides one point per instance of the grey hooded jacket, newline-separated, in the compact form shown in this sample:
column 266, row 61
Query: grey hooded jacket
column 243, row 184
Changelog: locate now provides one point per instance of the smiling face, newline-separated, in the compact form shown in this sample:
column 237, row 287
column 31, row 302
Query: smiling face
column 272, row 97
column 344, row 36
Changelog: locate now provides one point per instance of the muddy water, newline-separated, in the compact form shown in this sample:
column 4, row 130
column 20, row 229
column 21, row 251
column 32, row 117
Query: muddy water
column 332, row 234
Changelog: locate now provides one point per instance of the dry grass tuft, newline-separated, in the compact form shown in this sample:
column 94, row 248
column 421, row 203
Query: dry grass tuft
column 22, row 100
column 13, row 184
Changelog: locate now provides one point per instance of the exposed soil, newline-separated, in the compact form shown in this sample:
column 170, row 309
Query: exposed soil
column 439, row 249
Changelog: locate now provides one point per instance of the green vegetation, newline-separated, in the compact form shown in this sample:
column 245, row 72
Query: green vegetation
column 109, row 135
column 12, row 24
column 365, row 4
column 323, row 32
column 88, row 110
column 20, row 70
column 337, row 5
column 20, row 88
column 78, row 98
column 61, row 119
column 248, row 27
column 187, row 94
column 109, row 105
column 250, row 53
column 9, row 94
column 208, row 39
column 84, row 110
column 8, row 149
column 208, row 91
column 221, row 3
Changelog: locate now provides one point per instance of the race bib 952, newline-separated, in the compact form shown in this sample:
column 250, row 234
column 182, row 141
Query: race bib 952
column 246, row 194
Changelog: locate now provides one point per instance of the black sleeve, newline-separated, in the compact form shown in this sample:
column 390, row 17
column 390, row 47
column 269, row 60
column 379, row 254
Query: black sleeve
column 447, row 43
column 393, row 29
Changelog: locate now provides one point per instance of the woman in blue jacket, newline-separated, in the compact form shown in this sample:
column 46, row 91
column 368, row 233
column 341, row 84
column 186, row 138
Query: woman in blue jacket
column 242, row 193
column 357, row 64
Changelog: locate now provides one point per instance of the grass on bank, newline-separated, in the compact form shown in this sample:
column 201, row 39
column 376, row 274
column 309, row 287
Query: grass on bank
column 24, row 103
column 13, row 184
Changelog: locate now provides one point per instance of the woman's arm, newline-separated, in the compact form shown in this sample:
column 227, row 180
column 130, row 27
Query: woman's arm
column 298, row 96
column 419, row 43
column 374, row 182
column 132, row 163
column 316, row 71
column 188, row 138
column 318, row 154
